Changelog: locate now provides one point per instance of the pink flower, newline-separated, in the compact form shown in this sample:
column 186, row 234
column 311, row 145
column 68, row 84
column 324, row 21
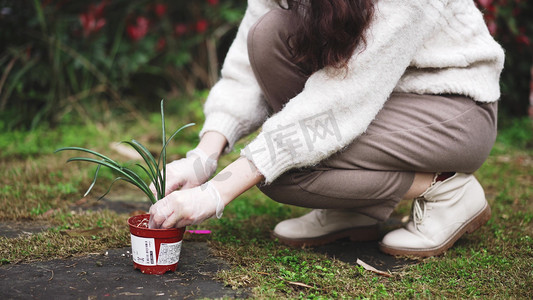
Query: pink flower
column 99, row 10
column 492, row 27
column 160, row 9
column 92, row 20
column 201, row 25
column 139, row 30
column 180, row 29
column 161, row 44
column 485, row 3
column 212, row 2
column 522, row 39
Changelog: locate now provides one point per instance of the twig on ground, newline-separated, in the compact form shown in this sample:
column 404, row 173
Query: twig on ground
column 297, row 283
column 262, row 273
column 372, row 269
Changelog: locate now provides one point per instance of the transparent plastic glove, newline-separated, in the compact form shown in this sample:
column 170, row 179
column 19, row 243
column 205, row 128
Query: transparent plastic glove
column 186, row 207
column 193, row 170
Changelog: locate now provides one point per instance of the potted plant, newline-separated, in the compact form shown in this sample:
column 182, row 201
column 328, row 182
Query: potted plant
column 154, row 251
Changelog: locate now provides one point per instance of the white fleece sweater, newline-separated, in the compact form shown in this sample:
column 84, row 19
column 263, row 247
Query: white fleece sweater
column 413, row 46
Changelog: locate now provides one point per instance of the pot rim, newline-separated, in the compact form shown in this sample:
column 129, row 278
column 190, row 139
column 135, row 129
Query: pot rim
column 133, row 222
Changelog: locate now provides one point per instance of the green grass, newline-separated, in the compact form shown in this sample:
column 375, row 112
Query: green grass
column 66, row 237
column 36, row 185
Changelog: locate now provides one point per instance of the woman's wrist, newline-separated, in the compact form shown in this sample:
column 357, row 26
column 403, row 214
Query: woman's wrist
column 212, row 144
column 236, row 178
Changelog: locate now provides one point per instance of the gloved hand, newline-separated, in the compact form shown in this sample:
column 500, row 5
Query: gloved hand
column 186, row 207
column 193, row 170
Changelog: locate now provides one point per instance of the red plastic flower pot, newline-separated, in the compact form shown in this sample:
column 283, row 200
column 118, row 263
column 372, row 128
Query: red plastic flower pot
column 154, row 251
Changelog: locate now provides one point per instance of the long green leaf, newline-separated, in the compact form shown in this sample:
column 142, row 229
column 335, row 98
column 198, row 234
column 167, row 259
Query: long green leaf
column 151, row 196
column 151, row 160
column 145, row 170
column 136, row 180
column 111, row 185
column 152, row 165
column 148, row 159
column 163, row 151
column 175, row 133
column 40, row 16
column 15, row 79
column 152, row 170
column 164, row 148
column 136, row 177
column 155, row 183
column 119, row 169
column 146, row 151
column 94, row 180
column 89, row 151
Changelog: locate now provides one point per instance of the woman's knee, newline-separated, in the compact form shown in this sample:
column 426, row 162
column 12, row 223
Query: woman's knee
column 272, row 60
column 479, row 137
column 268, row 38
column 289, row 188
column 281, row 190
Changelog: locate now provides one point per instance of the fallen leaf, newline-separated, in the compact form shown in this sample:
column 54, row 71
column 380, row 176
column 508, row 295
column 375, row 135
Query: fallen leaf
column 372, row 269
column 296, row 283
column 299, row 284
column 263, row 273
column 82, row 201
column 50, row 212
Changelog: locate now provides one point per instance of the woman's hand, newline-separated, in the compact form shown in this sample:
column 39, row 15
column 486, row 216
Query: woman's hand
column 193, row 170
column 198, row 166
column 192, row 206
column 186, row 207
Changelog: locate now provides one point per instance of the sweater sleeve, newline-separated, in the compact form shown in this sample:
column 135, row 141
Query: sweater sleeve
column 333, row 110
column 235, row 105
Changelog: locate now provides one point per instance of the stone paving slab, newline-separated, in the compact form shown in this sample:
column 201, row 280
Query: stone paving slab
column 102, row 276
column 14, row 229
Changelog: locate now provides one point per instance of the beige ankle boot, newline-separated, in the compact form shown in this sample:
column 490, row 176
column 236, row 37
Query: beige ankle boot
column 322, row 226
column 440, row 216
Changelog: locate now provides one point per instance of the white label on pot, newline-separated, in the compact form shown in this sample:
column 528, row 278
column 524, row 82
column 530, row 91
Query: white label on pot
column 143, row 250
column 169, row 253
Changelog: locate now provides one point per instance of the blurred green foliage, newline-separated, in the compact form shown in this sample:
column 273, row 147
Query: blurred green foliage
column 61, row 56
column 511, row 25
column 80, row 59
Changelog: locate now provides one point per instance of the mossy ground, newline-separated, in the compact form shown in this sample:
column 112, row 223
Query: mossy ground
column 36, row 185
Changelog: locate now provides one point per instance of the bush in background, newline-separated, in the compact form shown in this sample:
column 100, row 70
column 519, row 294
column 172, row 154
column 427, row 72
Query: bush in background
column 75, row 59
column 511, row 25
column 59, row 56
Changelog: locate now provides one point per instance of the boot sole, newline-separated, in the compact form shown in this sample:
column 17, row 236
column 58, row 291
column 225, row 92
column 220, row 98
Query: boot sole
column 358, row 234
column 474, row 224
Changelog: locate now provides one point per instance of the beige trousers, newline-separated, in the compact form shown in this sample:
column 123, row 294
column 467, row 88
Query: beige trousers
column 412, row 133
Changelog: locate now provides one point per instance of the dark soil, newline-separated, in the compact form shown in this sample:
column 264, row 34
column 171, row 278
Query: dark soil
column 112, row 275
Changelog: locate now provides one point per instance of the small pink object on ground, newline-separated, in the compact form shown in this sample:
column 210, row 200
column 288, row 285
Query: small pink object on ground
column 199, row 231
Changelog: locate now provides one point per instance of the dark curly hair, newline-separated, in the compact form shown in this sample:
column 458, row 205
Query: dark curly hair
column 328, row 31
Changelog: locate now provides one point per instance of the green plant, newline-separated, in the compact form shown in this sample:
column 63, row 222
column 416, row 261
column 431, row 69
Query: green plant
column 509, row 23
column 155, row 169
column 60, row 57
